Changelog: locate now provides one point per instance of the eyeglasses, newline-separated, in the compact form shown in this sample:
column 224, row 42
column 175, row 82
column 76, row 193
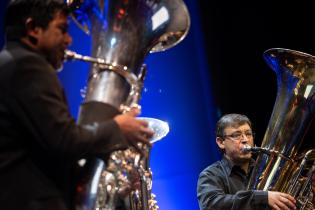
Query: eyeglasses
column 238, row 135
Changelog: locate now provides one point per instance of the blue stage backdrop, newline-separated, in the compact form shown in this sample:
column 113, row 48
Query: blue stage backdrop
column 177, row 90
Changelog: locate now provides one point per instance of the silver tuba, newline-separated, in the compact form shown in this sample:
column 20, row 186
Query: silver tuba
column 123, row 32
column 278, row 165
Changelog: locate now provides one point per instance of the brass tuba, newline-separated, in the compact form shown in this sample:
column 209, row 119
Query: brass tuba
column 123, row 32
column 278, row 165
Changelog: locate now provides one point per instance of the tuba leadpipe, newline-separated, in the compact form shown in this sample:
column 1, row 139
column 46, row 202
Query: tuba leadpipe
column 247, row 148
column 292, row 114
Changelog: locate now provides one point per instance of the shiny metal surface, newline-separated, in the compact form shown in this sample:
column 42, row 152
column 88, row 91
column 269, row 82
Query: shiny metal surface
column 300, row 184
column 247, row 148
column 100, row 83
column 293, row 111
column 123, row 32
column 157, row 24
column 87, row 192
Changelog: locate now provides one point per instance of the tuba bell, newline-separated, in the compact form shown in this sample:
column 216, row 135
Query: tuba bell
column 123, row 32
column 279, row 167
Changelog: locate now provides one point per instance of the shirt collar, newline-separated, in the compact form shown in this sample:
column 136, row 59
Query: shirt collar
column 229, row 165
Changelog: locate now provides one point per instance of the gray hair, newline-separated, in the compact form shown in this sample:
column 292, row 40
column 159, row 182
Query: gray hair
column 231, row 120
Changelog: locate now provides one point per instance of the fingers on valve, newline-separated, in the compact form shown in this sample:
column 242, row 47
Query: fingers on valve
column 287, row 202
column 146, row 132
column 134, row 111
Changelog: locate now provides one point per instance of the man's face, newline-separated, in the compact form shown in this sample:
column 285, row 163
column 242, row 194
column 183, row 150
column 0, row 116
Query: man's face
column 53, row 40
column 234, row 140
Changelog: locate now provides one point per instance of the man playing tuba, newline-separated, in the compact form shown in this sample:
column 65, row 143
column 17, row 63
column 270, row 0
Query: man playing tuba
column 40, row 142
column 223, row 184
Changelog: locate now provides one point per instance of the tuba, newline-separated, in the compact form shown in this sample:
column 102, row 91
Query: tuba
column 123, row 32
column 279, row 167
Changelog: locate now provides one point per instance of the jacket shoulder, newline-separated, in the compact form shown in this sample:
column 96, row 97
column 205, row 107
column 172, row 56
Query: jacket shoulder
column 212, row 169
column 21, row 56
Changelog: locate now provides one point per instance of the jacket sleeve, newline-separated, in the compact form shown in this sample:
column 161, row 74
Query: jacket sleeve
column 37, row 98
column 211, row 195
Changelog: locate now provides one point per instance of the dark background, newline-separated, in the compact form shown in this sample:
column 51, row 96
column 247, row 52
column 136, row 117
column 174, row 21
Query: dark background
column 236, row 35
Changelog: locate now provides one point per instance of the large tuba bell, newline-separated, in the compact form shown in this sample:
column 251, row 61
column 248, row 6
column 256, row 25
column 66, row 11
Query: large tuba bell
column 123, row 32
column 278, row 165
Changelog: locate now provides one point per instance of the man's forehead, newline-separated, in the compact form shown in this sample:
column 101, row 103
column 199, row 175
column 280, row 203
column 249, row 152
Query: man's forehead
column 60, row 18
column 238, row 127
column 60, row 15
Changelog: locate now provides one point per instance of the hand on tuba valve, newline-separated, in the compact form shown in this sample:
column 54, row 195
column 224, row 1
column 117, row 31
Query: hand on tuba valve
column 135, row 130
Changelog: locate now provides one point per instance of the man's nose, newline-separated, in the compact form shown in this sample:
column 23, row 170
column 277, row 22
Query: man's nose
column 68, row 39
column 244, row 138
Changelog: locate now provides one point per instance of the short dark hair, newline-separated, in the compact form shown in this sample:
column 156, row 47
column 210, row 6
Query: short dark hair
column 231, row 120
column 41, row 11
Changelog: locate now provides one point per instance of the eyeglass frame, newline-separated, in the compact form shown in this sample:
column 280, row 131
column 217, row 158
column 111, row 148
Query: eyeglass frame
column 249, row 136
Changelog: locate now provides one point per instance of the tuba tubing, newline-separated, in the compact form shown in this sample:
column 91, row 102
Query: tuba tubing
column 292, row 114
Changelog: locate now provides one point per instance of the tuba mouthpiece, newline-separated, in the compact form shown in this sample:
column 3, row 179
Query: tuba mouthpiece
column 70, row 55
column 247, row 148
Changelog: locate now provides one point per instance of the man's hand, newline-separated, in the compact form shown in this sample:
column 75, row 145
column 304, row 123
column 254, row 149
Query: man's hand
column 134, row 130
column 281, row 201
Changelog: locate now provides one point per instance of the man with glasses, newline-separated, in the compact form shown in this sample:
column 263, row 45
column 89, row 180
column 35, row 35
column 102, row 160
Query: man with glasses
column 223, row 184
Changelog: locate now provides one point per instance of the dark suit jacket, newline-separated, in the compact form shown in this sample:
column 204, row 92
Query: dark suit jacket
column 39, row 141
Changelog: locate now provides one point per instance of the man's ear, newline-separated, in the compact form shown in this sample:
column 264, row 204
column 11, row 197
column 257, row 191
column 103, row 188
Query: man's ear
column 32, row 31
column 220, row 143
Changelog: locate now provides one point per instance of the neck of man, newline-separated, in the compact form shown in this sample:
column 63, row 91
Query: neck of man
column 29, row 43
column 243, row 164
